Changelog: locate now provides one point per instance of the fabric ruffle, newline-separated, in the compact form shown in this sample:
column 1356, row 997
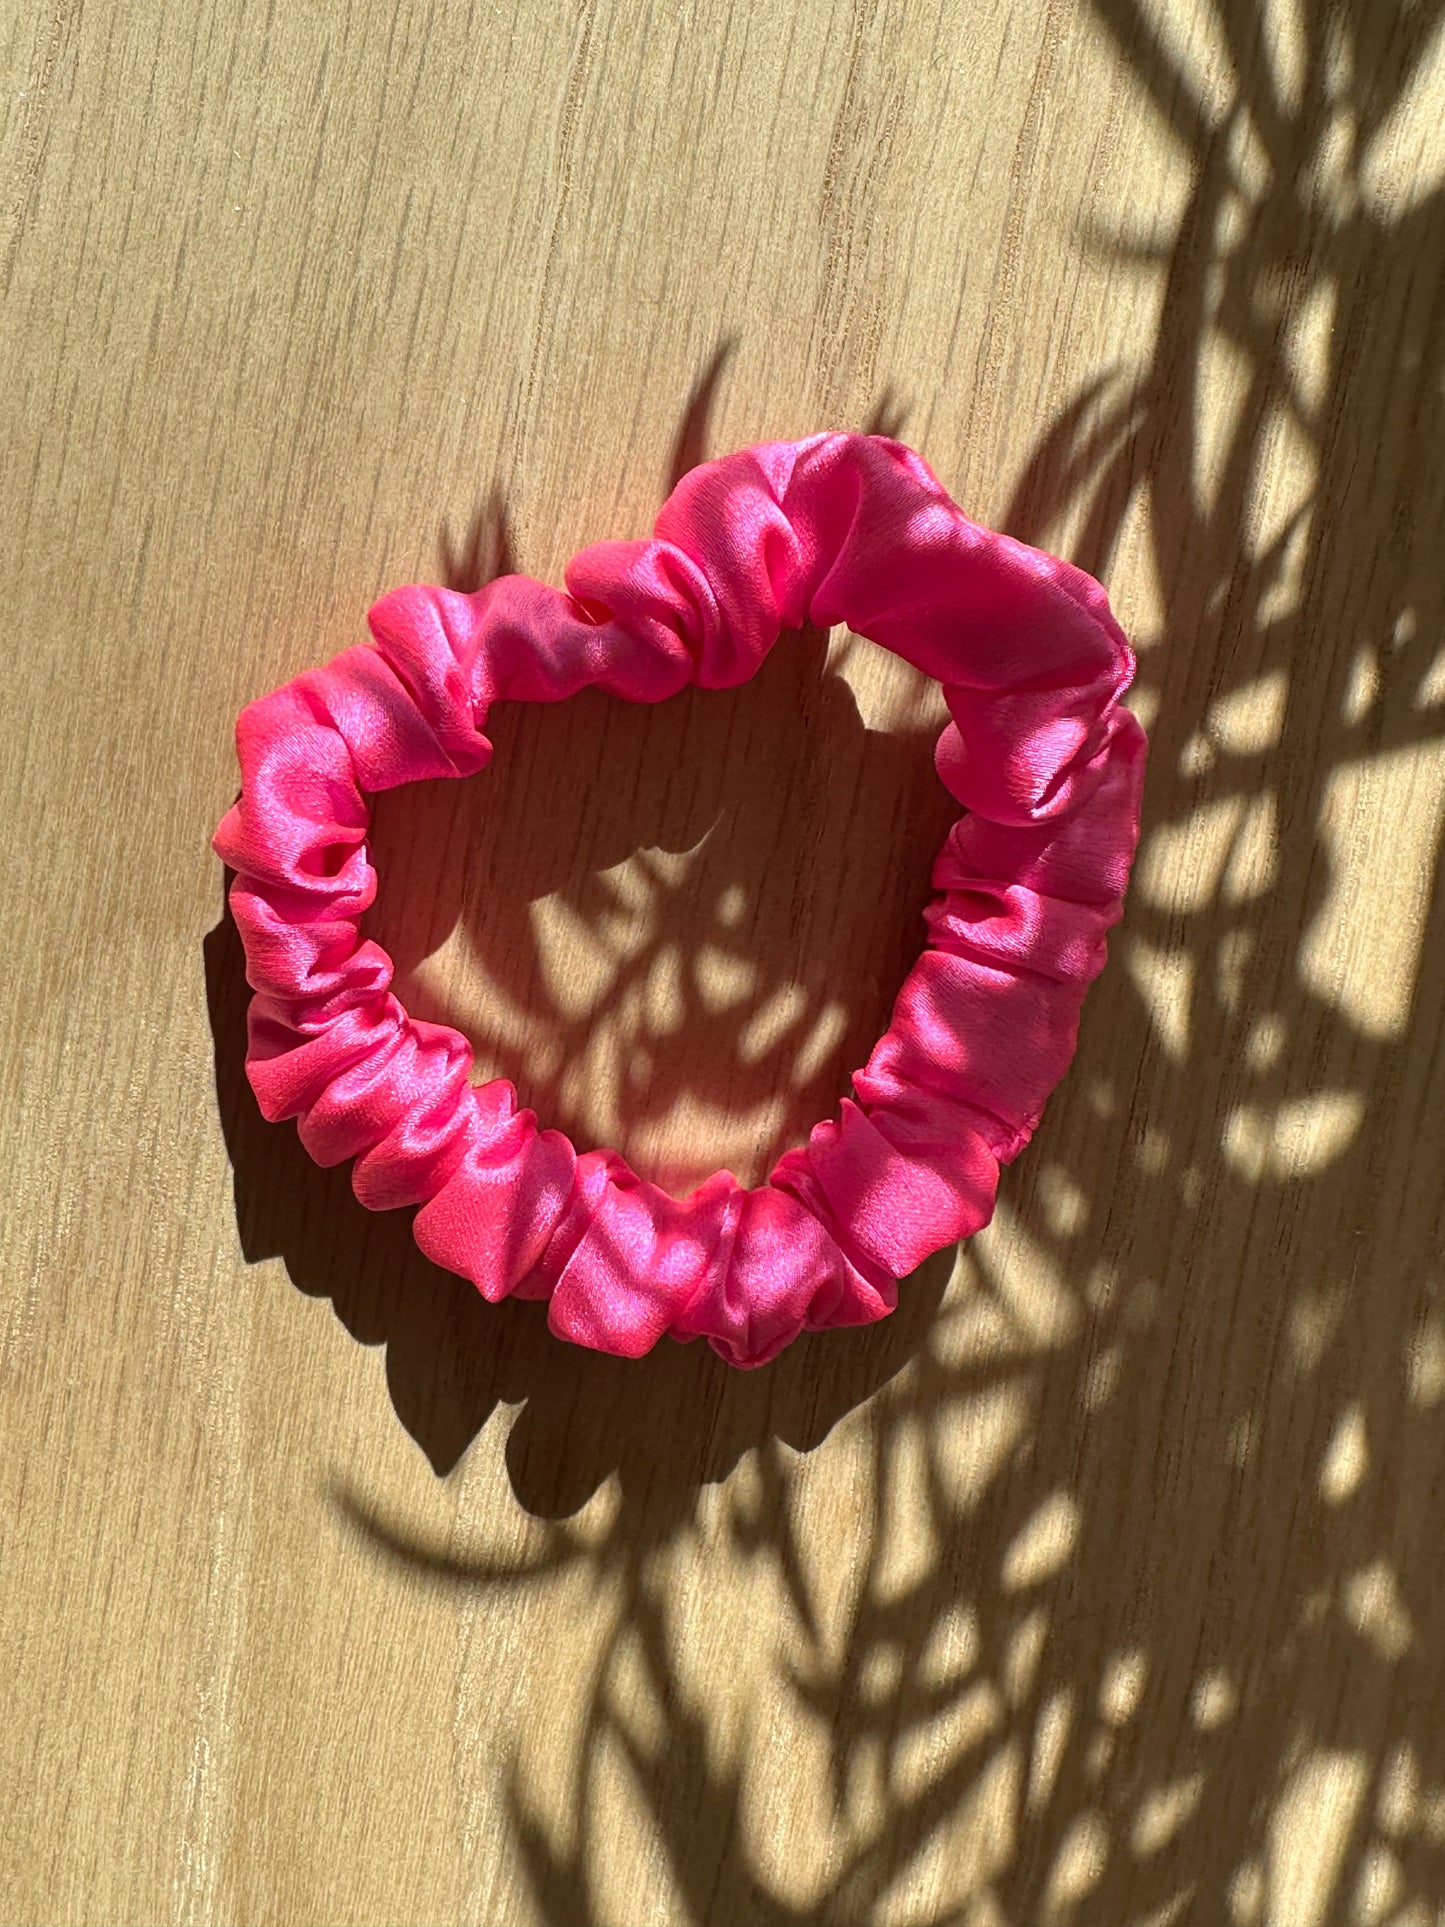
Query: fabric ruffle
column 1048, row 765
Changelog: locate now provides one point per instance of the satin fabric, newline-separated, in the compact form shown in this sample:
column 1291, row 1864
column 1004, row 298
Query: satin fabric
column 837, row 529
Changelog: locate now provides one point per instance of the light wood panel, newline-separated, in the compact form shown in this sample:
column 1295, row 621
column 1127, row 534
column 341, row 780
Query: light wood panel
column 1104, row 1582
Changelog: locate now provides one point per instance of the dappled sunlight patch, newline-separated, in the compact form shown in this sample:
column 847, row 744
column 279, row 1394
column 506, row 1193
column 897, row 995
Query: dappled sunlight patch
column 1249, row 720
column 1347, row 1457
column 1241, row 1441
column 1101, row 1287
column 1164, row 979
column 973, row 1440
column 881, row 1673
column 1234, row 956
column 1181, row 865
column 1381, row 1885
column 1431, row 692
column 972, row 1327
column 1213, row 1700
column 771, row 1021
column 1226, row 379
column 981, row 1843
column 1380, row 823
column 1299, row 1137
column 1024, row 1651
column 1145, row 705
column 1308, row 347
column 723, row 980
column 1309, row 1831
column 1405, row 161
column 1122, row 1687
column 629, row 1869
column 1051, row 1733
column 934, row 1747
column 1253, row 867
column 1314, row 1318
column 1163, row 1812
column 909, row 1549
column 1362, row 687
column 1079, row 1865
column 1265, row 1045
column 1373, row 1606
column 952, row 1651
column 1247, row 1895
column 1397, row 1812
column 731, row 1131
column 1425, row 1361
column 1198, row 756
column 789, row 1832
column 664, row 1003
column 831, row 1515
column 576, row 968
column 1287, row 578
column 1283, row 487
column 1152, row 1151
column 1062, row 1200
column 889, row 695
column 1103, row 1378
column 1285, row 47
column 824, row 1036
column 1044, row 1545
column 630, row 1694
column 592, row 1526
column 1027, row 1280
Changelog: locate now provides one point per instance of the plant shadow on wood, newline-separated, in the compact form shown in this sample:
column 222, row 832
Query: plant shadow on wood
column 1174, row 1446
column 1170, row 1457
column 737, row 878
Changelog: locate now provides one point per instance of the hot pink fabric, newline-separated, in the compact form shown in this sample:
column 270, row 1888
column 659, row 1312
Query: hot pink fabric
column 848, row 529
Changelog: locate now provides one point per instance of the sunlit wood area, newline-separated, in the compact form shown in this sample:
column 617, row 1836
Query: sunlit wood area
column 1103, row 1585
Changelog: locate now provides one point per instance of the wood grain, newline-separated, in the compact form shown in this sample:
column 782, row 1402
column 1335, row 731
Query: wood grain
column 1104, row 1582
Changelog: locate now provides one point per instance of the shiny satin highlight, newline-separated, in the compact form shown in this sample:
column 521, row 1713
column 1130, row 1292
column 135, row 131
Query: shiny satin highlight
column 1048, row 765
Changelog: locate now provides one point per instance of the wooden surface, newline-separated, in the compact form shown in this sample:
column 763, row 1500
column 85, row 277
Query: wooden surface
column 1106, row 1582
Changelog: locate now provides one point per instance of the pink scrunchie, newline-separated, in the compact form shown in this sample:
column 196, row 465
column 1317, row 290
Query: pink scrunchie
column 838, row 529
